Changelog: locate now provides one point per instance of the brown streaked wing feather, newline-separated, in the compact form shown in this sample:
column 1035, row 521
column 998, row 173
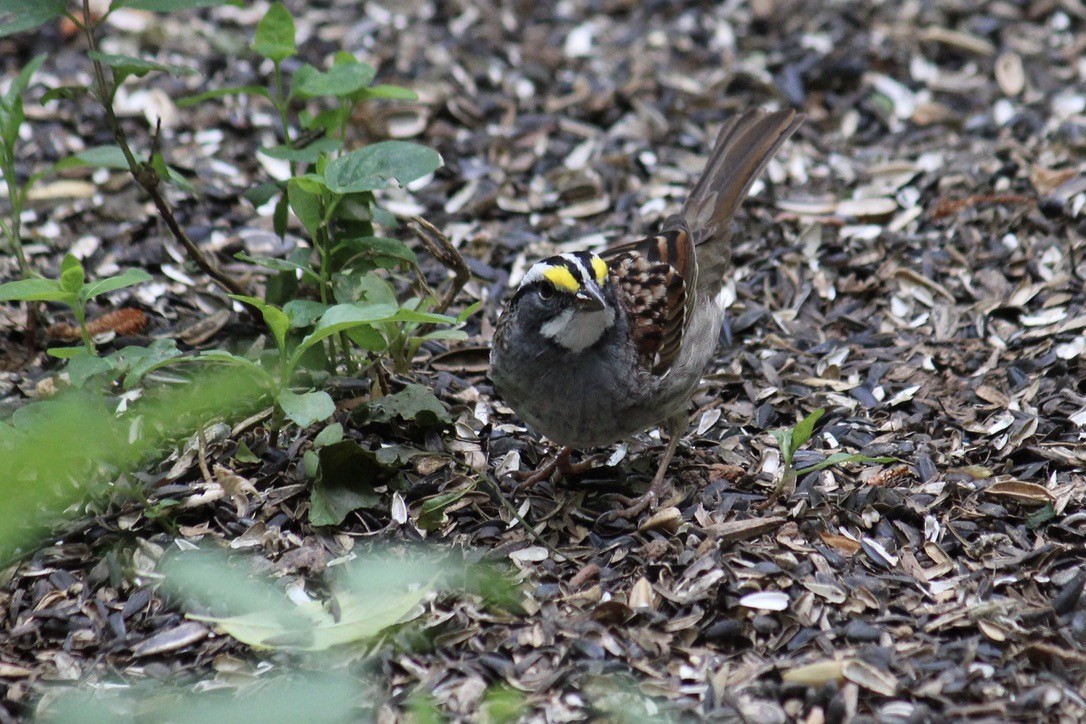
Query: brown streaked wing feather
column 655, row 277
column 659, row 276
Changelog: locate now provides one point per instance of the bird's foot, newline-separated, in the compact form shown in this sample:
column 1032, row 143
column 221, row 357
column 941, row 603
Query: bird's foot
column 561, row 464
column 633, row 507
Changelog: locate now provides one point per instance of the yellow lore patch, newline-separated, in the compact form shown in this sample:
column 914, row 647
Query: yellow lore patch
column 599, row 266
column 562, row 278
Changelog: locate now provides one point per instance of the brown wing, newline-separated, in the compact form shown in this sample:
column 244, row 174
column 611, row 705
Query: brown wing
column 659, row 276
column 655, row 278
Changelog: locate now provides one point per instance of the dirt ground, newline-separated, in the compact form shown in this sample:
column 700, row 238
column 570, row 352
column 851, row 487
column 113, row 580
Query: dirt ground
column 911, row 262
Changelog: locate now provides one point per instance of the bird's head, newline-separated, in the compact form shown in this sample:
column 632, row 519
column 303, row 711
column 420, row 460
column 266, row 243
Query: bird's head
column 567, row 299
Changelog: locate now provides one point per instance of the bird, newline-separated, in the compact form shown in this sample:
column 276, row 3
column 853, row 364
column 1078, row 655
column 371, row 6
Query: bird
column 593, row 348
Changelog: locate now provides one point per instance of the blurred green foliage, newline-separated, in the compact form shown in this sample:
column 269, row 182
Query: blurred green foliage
column 57, row 451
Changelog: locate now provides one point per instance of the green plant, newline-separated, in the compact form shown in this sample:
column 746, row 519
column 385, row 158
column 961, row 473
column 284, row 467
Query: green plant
column 361, row 321
column 110, row 71
column 71, row 290
column 351, row 299
column 791, row 439
column 11, row 120
column 63, row 449
column 331, row 192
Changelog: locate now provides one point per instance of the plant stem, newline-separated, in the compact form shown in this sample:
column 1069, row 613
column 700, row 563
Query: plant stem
column 282, row 105
column 443, row 250
column 81, row 317
column 14, row 231
column 144, row 174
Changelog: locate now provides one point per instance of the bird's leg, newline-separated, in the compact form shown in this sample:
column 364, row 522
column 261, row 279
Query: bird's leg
column 675, row 426
column 561, row 463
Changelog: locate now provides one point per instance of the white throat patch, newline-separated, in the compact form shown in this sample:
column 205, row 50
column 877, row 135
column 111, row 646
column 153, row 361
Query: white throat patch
column 577, row 330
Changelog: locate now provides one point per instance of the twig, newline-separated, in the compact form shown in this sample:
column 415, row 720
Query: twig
column 201, row 440
column 443, row 250
column 528, row 528
column 1072, row 257
column 950, row 207
column 145, row 175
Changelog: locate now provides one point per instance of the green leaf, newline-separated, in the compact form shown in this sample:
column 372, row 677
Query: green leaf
column 126, row 65
column 306, row 408
column 135, row 361
column 13, row 99
column 173, row 176
column 64, row 93
column 375, row 166
column 307, row 154
column 432, row 516
column 312, row 697
column 470, row 310
column 277, row 321
column 329, row 120
column 281, row 216
column 98, row 157
column 414, row 403
column 34, row 290
column 329, row 435
column 392, row 92
column 842, row 458
column 262, row 193
column 18, row 16
column 304, row 312
column 805, row 429
column 1040, row 516
column 158, row 163
column 307, row 206
column 784, row 442
column 84, row 366
column 72, row 275
column 396, row 456
column 355, row 214
column 445, row 334
column 311, row 463
column 368, row 338
column 411, row 315
column 66, row 352
column 359, row 615
column 221, row 356
column 280, row 265
column 342, row 317
column 237, row 90
column 505, row 705
column 127, row 278
column 373, row 251
column 275, row 34
column 339, row 81
column 112, row 157
column 363, row 288
column 244, row 455
column 346, row 478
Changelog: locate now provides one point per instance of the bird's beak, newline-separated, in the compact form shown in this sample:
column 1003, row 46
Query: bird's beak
column 590, row 299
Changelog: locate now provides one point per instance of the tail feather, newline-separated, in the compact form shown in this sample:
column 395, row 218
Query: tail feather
column 742, row 149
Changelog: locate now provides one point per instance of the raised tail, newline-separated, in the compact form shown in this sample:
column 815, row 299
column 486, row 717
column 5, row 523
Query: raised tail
column 742, row 149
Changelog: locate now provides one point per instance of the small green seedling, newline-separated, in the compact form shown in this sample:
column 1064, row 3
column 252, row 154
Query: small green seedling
column 72, row 290
column 791, row 439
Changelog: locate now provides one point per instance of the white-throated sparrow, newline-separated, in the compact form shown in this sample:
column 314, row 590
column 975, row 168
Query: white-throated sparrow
column 594, row 348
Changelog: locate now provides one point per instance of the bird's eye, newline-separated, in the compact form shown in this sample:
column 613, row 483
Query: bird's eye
column 545, row 291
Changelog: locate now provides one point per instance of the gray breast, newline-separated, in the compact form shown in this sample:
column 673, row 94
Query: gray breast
column 592, row 398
